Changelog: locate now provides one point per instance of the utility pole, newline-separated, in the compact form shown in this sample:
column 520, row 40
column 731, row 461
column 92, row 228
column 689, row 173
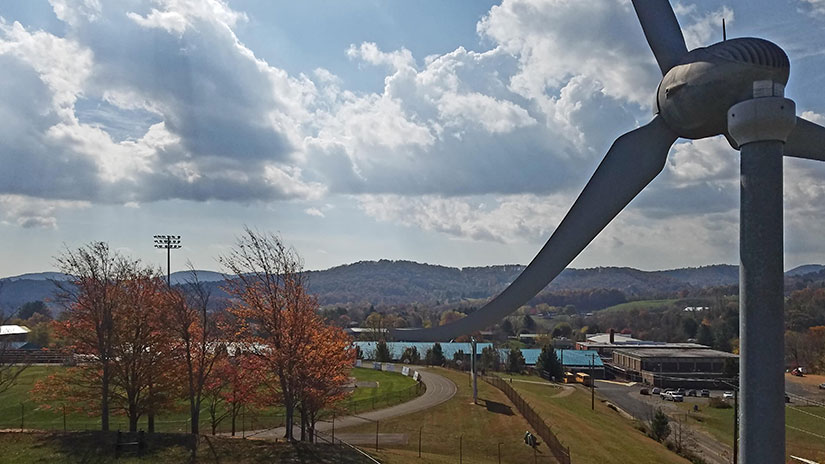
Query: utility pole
column 473, row 370
column 592, row 383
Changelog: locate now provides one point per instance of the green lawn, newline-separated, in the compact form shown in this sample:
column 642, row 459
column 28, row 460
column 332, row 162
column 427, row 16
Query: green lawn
column 99, row 448
column 393, row 388
column 594, row 436
column 804, row 431
column 643, row 304
column 459, row 426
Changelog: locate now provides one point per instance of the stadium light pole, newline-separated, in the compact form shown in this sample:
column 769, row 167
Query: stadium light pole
column 169, row 243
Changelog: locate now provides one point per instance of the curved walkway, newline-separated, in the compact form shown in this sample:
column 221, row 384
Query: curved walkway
column 439, row 390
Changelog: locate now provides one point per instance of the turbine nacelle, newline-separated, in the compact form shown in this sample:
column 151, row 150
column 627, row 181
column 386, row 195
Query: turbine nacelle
column 695, row 94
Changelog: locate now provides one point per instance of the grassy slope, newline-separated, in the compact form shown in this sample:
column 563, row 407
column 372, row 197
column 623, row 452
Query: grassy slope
column 719, row 423
column 98, row 448
column 393, row 388
column 601, row 437
column 642, row 304
column 481, row 427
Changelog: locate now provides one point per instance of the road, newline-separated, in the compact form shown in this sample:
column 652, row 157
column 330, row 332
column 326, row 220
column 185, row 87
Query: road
column 627, row 397
column 439, row 390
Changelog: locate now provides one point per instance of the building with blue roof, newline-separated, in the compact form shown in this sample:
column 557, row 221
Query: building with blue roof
column 397, row 348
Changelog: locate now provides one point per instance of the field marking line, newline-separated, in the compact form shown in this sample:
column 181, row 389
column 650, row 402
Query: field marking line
column 804, row 431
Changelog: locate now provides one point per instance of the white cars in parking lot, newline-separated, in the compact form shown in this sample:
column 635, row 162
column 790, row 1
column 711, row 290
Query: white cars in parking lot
column 673, row 395
column 727, row 395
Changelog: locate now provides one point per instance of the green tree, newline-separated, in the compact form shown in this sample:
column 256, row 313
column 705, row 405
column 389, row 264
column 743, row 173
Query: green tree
column 527, row 323
column 382, row 352
column 660, row 426
column 704, row 336
column 411, row 356
column 507, row 327
column 435, row 356
column 490, row 359
column 515, row 361
column 562, row 329
column 34, row 307
column 548, row 364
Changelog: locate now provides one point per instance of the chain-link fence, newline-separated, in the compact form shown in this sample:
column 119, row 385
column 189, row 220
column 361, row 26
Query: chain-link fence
column 543, row 430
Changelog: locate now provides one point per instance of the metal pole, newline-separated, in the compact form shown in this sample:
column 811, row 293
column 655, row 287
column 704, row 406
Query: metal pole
column 473, row 369
column 169, row 262
column 22, row 416
column 376, row 435
column 419, row 441
column 760, row 126
column 592, row 383
column 64, row 418
column 735, row 426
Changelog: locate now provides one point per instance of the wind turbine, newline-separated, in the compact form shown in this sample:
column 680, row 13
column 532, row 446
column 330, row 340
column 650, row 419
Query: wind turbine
column 734, row 88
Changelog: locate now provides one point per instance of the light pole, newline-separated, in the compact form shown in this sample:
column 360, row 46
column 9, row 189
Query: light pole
column 168, row 242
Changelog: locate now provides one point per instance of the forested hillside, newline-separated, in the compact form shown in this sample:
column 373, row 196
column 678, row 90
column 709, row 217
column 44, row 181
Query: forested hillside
column 388, row 283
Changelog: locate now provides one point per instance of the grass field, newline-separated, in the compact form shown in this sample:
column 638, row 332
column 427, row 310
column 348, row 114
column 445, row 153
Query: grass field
column 601, row 436
column 16, row 406
column 643, row 304
column 99, row 448
column 459, row 426
column 804, row 428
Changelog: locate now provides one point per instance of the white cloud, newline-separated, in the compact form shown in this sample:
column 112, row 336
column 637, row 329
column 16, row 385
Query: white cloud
column 512, row 218
column 815, row 7
column 314, row 212
column 29, row 213
column 700, row 29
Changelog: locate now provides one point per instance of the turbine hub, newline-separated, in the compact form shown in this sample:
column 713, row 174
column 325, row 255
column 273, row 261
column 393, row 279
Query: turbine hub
column 695, row 95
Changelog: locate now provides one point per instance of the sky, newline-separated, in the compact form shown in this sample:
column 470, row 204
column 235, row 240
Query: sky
column 453, row 133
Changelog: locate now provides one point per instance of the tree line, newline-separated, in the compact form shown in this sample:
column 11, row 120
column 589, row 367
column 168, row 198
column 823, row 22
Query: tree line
column 140, row 346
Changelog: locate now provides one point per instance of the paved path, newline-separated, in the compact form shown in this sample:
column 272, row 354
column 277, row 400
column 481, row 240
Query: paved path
column 439, row 390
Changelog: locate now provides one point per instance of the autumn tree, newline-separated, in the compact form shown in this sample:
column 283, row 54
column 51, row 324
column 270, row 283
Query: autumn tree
column 234, row 384
column 277, row 319
column 142, row 370
column 195, row 340
column 324, row 372
column 90, row 298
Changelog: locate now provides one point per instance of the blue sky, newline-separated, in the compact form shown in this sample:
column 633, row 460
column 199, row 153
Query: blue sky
column 456, row 133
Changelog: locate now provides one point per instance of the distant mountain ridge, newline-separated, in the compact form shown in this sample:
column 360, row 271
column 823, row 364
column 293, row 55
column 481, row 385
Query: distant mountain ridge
column 388, row 282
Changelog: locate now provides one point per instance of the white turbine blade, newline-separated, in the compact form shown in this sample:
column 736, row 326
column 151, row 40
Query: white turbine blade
column 806, row 141
column 662, row 31
column 631, row 163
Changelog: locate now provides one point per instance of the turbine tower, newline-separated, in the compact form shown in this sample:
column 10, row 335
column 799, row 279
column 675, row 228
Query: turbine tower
column 733, row 88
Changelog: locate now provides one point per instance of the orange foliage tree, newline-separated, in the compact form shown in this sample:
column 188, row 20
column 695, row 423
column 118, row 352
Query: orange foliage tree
column 195, row 340
column 90, row 299
column 113, row 327
column 278, row 322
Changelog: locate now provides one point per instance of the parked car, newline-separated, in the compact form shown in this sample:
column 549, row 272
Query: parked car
column 674, row 396
column 822, row 386
column 680, row 391
column 664, row 393
column 727, row 395
column 644, row 391
column 787, row 399
column 691, row 393
column 705, row 393
column 656, row 390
